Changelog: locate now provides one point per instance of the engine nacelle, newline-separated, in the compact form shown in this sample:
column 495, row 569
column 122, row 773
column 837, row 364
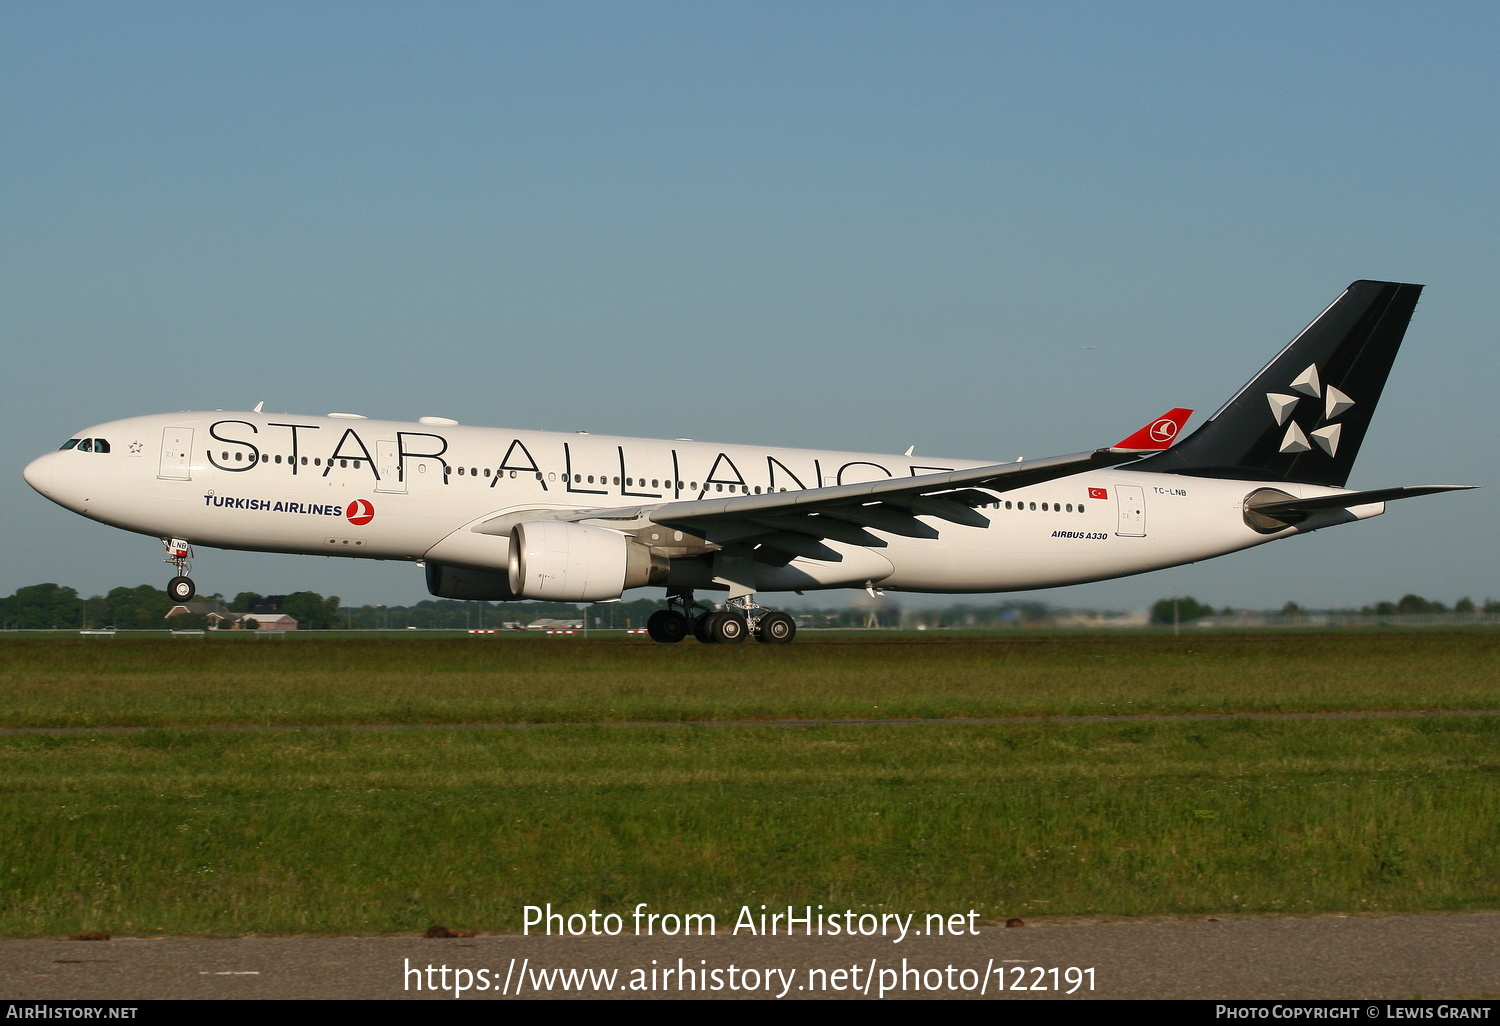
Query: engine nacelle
column 565, row 562
column 457, row 582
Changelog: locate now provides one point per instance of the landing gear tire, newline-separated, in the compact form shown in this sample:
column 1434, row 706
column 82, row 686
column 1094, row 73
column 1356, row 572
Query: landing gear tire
column 667, row 626
column 724, row 628
column 181, row 589
column 776, row 629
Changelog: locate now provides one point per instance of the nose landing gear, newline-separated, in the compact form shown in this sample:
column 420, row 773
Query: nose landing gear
column 181, row 587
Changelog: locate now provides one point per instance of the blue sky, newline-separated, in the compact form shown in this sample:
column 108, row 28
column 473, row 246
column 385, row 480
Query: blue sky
column 842, row 225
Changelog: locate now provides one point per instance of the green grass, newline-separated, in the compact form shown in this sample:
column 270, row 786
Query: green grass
column 388, row 831
column 92, row 682
column 325, row 830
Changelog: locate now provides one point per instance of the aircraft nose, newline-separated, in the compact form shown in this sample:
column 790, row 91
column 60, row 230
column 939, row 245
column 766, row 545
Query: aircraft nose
column 44, row 474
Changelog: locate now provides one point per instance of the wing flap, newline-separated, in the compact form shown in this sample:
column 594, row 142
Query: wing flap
column 815, row 525
column 882, row 518
column 798, row 545
column 954, row 507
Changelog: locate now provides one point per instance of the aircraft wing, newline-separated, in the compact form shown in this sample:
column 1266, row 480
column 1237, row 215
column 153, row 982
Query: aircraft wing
column 796, row 523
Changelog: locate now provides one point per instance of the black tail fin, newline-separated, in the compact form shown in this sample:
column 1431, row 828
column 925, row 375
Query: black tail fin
column 1303, row 417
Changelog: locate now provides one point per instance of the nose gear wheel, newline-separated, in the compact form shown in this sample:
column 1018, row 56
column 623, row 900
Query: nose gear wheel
column 180, row 588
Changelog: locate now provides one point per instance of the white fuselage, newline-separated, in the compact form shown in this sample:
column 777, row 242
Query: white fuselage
column 415, row 491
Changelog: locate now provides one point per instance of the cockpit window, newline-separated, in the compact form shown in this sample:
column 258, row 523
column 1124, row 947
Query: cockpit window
column 87, row 445
column 101, row 445
column 68, row 444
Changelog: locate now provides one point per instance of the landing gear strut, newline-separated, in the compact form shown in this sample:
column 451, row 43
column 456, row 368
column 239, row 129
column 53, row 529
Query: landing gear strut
column 768, row 626
column 179, row 588
column 741, row 618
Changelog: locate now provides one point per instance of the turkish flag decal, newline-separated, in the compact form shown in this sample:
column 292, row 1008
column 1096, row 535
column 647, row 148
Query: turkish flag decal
column 1098, row 493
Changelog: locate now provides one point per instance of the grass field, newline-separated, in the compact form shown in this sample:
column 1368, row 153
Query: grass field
column 442, row 678
column 184, row 830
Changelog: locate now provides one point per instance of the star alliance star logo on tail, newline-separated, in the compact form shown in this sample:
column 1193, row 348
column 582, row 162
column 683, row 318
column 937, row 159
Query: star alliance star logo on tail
column 1335, row 402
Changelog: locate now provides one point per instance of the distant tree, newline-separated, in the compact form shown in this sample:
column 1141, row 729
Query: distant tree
column 1464, row 605
column 42, row 606
column 312, row 611
column 1188, row 609
column 96, row 612
column 188, row 622
column 244, row 602
column 140, row 608
column 1293, row 609
column 1491, row 606
column 1415, row 604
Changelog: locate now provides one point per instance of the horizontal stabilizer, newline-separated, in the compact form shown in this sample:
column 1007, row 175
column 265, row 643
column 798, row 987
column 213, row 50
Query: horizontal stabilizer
column 1288, row 508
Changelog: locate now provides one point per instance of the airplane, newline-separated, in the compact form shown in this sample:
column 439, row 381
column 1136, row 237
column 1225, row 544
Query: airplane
column 496, row 514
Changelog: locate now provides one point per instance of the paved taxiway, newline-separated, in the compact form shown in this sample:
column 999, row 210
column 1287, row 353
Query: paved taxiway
column 1431, row 956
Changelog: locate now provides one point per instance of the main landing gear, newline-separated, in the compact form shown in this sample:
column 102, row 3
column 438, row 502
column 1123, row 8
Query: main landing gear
column 180, row 588
column 740, row 619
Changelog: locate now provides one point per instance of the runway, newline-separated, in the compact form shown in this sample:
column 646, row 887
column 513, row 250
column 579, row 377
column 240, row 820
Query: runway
column 1330, row 957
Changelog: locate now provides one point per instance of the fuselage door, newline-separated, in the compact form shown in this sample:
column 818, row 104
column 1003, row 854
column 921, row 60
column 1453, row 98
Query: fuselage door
column 1132, row 499
column 176, row 454
column 388, row 466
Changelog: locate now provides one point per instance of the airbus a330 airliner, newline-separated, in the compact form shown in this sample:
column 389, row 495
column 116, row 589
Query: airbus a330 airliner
column 495, row 514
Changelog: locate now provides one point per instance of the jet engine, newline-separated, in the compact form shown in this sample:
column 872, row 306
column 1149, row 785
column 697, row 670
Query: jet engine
column 565, row 562
column 460, row 582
